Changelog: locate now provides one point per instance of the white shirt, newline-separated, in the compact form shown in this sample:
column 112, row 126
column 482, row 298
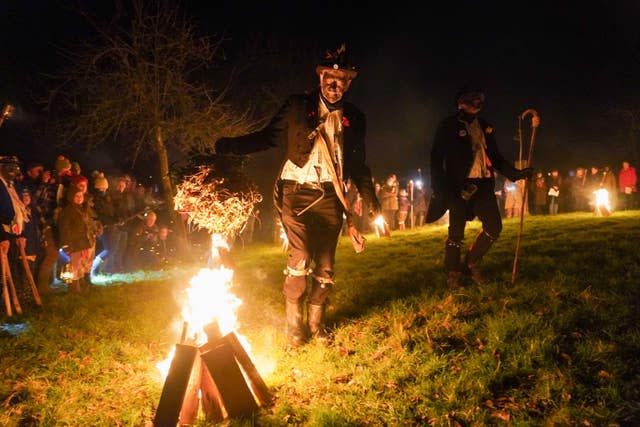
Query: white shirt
column 315, row 170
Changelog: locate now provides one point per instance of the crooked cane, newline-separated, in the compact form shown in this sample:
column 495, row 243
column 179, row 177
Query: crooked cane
column 535, row 122
column 27, row 270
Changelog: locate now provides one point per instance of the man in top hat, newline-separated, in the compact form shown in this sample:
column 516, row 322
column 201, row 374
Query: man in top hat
column 324, row 137
column 13, row 214
column 464, row 158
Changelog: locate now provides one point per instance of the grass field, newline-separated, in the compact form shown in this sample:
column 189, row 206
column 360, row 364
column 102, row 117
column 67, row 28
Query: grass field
column 557, row 347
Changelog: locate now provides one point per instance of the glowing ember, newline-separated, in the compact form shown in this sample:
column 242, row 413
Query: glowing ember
column 212, row 207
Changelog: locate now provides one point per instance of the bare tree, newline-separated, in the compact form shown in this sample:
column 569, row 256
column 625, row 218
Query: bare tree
column 145, row 82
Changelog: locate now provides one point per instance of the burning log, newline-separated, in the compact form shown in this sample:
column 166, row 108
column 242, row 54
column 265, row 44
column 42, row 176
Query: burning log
column 227, row 376
column 258, row 387
column 223, row 381
column 175, row 386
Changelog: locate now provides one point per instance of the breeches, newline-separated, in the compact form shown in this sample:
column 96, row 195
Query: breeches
column 482, row 204
column 312, row 222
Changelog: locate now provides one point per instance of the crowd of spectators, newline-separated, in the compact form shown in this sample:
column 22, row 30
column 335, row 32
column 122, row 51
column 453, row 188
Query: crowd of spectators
column 404, row 202
column 78, row 226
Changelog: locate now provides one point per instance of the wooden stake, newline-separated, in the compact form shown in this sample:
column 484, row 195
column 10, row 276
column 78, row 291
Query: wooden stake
column 5, row 288
column 7, row 272
column 258, row 387
column 225, row 372
column 191, row 401
column 175, row 386
column 211, row 399
column 27, row 270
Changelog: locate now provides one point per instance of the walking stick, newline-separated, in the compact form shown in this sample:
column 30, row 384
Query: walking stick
column 5, row 289
column 6, row 275
column 27, row 270
column 535, row 122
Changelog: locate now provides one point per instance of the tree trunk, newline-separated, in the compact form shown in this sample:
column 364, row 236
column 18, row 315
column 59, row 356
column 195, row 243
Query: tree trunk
column 177, row 224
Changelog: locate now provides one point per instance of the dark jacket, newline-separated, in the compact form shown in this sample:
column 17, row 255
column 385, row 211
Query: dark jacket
column 291, row 127
column 452, row 159
column 452, row 155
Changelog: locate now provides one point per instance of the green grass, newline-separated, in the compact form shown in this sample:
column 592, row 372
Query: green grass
column 557, row 347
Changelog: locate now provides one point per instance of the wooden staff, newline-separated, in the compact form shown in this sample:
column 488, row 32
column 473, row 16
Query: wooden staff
column 6, row 273
column 535, row 122
column 27, row 270
column 5, row 289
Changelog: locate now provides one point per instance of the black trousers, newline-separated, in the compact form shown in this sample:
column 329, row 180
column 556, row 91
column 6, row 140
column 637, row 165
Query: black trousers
column 312, row 219
column 482, row 204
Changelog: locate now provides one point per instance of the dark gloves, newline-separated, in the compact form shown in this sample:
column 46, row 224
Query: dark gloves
column 525, row 173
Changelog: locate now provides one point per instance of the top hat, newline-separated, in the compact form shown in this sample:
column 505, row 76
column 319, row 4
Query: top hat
column 337, row 60
column 6, row 160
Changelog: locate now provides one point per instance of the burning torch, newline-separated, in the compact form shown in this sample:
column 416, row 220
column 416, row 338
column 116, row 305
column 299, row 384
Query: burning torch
column 6, row 113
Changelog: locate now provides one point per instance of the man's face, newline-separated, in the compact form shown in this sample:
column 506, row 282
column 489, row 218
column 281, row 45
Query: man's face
column 9, row 171
column 471, row 103
column 35, row 172
column 334, row 84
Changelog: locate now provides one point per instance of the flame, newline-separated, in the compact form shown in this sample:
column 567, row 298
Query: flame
column 380, row 226
column 602, row 204
column 209, row 299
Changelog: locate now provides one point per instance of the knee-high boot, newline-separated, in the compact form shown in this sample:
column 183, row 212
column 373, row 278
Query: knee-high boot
column 315, row 318
column 452, row 264
column 295, row 327
column 473, row 258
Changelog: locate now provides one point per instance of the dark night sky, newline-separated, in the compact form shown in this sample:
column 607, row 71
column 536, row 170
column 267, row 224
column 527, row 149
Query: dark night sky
column 571, row 61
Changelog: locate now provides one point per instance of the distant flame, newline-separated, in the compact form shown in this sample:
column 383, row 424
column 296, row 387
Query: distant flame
column 380, row 226
column 602, row 203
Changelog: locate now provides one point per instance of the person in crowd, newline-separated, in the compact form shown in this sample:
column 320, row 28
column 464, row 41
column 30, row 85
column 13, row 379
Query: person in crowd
column 33, row 245
column 628, row 182
column 538, row 193
column 13, row 218
column 33, row 177
column 579, row 191
column 403, row 208
column 513, row 197
column 555, row 184
column 77, row 239
column 166, row 245
column 124, row 207
column 47, row 201
column 464, row 158
column 419, row 203
column 389, row 200
column 143, row 245
column 609, row 183
column 106, row 217
column 324, row 137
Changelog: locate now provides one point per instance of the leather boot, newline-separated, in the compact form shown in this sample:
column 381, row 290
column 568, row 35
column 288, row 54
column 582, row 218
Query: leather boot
column 473, row 258
column 315, row 318
column 454, row 279
column 295, row 328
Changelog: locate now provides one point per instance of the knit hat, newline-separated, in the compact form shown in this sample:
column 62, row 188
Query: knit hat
column 100, row 182
column 61, row 163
